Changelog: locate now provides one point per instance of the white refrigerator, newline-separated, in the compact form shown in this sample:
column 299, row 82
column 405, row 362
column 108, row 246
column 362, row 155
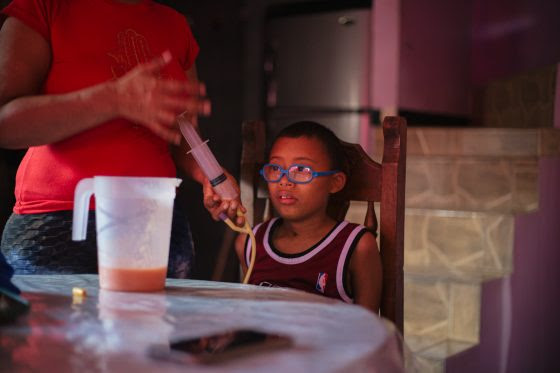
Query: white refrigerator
column 317, row 67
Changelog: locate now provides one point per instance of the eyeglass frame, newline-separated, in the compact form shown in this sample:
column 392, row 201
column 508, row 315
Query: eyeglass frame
column 284, row 171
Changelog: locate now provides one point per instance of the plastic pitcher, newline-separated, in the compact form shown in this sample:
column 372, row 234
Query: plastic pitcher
column 133, row 224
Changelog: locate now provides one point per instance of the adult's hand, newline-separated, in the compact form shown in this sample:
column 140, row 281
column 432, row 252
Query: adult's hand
column 147, row 99
column 30, row 118
column 216, row 206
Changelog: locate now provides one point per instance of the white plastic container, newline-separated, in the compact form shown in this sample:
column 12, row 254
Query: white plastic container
column 133, row 224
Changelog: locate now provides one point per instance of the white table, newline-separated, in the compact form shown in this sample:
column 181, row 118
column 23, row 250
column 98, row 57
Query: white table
column 111, row 331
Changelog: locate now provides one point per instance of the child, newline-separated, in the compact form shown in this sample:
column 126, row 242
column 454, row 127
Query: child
column 304, row 248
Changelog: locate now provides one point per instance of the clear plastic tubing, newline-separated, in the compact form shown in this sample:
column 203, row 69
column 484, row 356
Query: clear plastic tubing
column 206, row 160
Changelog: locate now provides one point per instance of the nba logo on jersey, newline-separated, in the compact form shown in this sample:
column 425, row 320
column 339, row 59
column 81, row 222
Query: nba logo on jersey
column 321, row 282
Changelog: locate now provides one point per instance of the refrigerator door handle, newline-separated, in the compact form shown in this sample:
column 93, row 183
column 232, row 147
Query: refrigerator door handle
column 346, row 21
column 270, row 63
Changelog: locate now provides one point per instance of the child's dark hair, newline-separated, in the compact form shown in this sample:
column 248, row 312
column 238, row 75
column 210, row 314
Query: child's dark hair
column 326, row 136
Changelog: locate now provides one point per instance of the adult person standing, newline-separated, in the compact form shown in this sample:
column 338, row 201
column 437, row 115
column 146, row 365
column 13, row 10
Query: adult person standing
column 92, row 87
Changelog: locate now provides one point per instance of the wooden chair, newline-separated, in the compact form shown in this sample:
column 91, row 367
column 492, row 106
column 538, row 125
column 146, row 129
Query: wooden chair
column 368, row 181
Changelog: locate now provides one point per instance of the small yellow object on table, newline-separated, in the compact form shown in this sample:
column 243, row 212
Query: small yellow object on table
column 78, row 295
column 79, row 292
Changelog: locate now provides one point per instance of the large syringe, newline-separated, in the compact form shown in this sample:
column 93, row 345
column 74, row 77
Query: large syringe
column 218, row 179
column 206, row 160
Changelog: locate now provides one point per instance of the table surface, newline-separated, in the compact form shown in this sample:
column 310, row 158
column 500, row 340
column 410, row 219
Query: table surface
column 112, row 331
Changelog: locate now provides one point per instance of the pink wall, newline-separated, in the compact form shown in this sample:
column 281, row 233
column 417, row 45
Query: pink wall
column 520, row 323
column 520, row 315
column 513, row 36
column 386, row 20
column 447, row 47
column 557, row 101
column 435, row 56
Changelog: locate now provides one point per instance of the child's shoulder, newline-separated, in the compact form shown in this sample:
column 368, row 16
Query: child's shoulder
column 352, row 225
column 363, row 233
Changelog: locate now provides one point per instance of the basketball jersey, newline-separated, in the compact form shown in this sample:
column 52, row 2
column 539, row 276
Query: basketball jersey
column 321, row 269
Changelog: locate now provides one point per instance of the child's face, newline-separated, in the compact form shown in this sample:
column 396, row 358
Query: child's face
column 300, row 201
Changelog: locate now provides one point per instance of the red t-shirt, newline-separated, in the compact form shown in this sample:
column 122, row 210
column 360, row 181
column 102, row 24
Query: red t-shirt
column 93, row 41
column 320, row 270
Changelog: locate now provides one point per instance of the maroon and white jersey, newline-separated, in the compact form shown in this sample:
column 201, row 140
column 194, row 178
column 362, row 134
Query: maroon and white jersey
column 321, row 269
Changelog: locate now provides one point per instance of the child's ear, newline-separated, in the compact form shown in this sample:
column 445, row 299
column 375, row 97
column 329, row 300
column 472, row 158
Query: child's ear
column 338, row 181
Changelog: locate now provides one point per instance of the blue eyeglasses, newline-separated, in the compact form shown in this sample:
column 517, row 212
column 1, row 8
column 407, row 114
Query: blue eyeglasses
column 296, row 173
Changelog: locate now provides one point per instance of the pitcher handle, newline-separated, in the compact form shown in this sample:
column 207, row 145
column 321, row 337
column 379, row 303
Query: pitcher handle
column 82, row 195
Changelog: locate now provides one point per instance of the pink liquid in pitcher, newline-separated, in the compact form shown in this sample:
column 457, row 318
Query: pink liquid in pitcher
column 130, row 279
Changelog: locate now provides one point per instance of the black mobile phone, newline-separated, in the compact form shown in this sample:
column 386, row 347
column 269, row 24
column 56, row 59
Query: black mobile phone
column 220, row 347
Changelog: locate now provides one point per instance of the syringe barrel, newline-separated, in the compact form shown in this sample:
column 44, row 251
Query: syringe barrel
column 208, row 164
column 188, row 131
column 206, row 160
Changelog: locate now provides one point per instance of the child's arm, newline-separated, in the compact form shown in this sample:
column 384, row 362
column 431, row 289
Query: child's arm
column 240, row 242
column 366, row 274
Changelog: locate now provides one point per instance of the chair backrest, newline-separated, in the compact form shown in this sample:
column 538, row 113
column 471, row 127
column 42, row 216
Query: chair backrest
column 368, row 181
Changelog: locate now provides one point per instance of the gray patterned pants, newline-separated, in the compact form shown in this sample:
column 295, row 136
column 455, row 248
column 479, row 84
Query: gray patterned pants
column 42, row 244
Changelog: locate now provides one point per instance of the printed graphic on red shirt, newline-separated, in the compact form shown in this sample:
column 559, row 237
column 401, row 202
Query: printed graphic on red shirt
column 132, row 49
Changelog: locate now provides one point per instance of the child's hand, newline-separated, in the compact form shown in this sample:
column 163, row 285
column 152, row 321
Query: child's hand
column 233, row 209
